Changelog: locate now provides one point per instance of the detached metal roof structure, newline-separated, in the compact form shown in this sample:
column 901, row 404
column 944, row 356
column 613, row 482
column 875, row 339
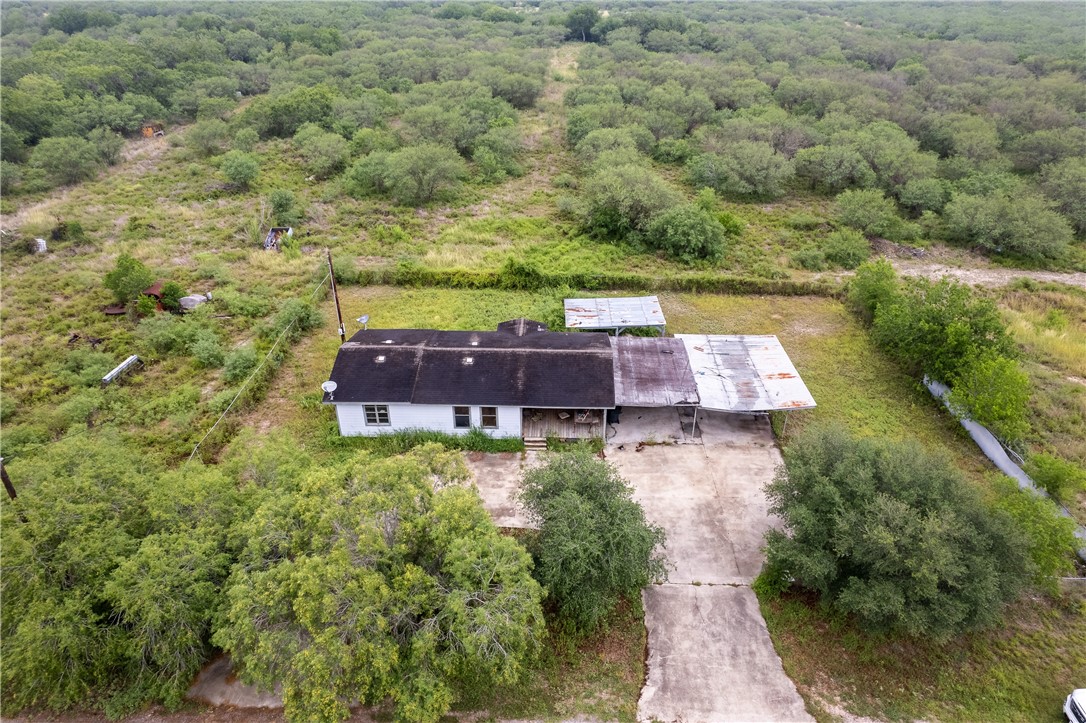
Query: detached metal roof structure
column 744, row 374
column 617, row 314
column 653, row 372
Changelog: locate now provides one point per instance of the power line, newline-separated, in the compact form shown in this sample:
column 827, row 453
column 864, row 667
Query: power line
column 155, row 400
column 255, row 371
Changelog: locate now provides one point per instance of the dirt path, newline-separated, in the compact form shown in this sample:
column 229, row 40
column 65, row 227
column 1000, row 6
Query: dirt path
column 991, row 277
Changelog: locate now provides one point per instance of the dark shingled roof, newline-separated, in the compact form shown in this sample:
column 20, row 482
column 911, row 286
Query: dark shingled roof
column 493, row 368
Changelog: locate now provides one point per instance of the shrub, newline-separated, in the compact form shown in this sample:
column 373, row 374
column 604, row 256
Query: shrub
column 747, row 168
column 892, row 535
column 688, row 233
column 1065, row 184
column 245, row 140
column 297, row 316
column 128, row 278
column 1022, row 224
column 1050, row 537
column 323, row 154
column 868, row 210
column 939, row 328
column 394, row 584
column 846, row 248
column 994, row 391
column 239, row 168
column 810, row 258
column 875, row 283
column 594, row 544
column 369, row 175
column 171, row 296
column 1060, row 478
column 207, row 350
column 673, row 150
column 66, row 159
column 207, row 137
column 239, row 364
column 284, row 206
column 418, row 173
column 623, row 200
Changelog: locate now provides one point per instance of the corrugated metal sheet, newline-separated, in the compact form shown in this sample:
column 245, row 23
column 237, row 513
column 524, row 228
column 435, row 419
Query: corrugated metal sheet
column 614, row 313
column 744, row 373
column 652, row 372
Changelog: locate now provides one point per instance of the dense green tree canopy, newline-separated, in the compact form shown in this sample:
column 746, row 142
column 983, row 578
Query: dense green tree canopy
column 892, row 535
column 594, row 544
column 397, row 586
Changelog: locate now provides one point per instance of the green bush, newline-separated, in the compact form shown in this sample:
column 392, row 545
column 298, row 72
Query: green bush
column 1060, row 478
column 171, row 296
column 239, row 168
column 296, row 317
column 892, row 535
column 994, row 391
column 846, row 248
column 745, row 169
column 1020, row 224
column 810, row 258
column 594, row 544
column 285, row 208
column 688, row 233
column 128, row 279
column 940, row 328
column 239, row 363
column 1050, row 536
column 874, row 284
column 207, row 350
column 245, row 140
column 624, row 200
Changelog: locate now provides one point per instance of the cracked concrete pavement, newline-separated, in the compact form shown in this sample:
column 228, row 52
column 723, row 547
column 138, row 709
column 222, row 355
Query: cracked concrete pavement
column 710, row 655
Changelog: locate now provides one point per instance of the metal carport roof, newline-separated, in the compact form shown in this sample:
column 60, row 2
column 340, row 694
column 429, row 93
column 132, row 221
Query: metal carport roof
column 652, row 372
column 744, row 373
column 618, row 313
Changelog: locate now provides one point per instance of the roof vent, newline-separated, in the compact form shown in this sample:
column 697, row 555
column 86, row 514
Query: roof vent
column 380, row 359
column 388, row 341
column 474, row 343
column 468, row 361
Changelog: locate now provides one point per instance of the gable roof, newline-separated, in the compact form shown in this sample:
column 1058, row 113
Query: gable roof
column 492, row 368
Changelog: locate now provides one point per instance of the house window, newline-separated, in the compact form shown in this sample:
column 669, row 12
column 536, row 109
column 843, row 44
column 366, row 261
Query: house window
column 461, row 417
column 377, row 415
column 490, row 417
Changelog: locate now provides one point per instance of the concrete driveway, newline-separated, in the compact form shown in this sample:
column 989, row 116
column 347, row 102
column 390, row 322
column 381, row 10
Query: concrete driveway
column 710, row 656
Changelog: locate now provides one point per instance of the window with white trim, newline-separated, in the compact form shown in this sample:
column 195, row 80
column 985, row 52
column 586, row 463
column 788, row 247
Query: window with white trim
column 490, row 417
column 377, row 415
column 462, row 417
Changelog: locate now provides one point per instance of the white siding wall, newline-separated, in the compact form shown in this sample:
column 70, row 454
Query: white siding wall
column 435, row 417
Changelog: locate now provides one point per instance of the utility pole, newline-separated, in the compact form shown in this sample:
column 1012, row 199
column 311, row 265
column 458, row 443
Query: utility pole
column 7, row 480
column 335, row 295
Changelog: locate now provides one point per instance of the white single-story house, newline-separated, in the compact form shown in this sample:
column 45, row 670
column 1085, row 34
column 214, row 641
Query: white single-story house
column 523, row 380
column 518, row 381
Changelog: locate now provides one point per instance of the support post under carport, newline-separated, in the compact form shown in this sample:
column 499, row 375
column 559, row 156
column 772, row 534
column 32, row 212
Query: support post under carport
column 694, row 427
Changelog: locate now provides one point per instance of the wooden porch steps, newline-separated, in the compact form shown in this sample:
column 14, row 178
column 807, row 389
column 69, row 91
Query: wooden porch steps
column 535, row 444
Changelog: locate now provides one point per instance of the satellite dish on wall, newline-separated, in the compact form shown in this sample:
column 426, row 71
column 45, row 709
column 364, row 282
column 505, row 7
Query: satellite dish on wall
column 363, row 320
column 329, row 387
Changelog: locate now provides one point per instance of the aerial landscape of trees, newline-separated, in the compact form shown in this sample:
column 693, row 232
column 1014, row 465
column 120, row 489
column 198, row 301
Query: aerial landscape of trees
column 465, row 159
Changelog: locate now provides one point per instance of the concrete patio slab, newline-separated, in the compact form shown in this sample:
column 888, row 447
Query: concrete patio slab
column 711, row 659
column 497, row 477
column 646, row 424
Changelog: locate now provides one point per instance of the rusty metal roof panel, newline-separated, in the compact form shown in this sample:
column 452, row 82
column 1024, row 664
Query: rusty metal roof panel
column 614, row 313
column 652, row 372
column 744, row 373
